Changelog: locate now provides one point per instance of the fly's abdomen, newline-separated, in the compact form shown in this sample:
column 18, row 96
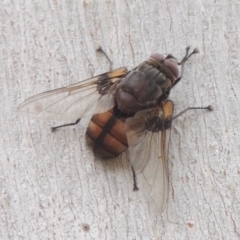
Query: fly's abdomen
column 108, row 134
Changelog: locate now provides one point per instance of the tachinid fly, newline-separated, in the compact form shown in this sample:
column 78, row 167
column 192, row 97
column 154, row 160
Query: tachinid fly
column 129, row 109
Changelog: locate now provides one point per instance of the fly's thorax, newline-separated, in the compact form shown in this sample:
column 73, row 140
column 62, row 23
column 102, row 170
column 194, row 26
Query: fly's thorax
column 144, row 86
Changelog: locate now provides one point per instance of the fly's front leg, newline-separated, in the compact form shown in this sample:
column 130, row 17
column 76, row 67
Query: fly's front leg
column 186, row 57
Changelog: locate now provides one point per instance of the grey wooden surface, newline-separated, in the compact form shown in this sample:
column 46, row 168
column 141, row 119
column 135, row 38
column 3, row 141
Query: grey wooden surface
column 51, row 185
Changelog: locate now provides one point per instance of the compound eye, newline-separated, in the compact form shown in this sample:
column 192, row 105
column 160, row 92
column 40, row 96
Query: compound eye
column 167, row 56
column 167, row 60
column 157, row 56
column 171, row 64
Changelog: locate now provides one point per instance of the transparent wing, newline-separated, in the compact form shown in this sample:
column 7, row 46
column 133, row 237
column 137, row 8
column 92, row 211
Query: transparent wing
column 91, row 96
column 148, row 155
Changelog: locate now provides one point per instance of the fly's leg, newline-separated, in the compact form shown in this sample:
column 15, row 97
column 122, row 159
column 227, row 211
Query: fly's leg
column 135, row 187
column 186, row 57
column 65, row 125
column 104, row 53
column 209, row 108
column 78, row 120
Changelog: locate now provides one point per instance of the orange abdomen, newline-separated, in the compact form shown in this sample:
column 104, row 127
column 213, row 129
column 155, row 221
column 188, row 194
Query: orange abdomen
column 108, row 134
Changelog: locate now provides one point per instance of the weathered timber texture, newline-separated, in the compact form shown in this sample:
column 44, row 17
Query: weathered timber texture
column 51, row 185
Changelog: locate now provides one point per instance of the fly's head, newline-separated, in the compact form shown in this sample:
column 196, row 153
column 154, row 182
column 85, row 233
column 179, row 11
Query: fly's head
column 168, row 61
column 150, row 83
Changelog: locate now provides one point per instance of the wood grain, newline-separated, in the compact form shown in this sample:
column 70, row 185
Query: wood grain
column 52, row 187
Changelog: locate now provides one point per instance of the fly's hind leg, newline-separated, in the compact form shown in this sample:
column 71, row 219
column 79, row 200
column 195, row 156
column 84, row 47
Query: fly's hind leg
column 135, row 187
column 65, row 125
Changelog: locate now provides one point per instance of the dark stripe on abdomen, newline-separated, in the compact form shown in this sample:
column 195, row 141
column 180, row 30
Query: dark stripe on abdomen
column 108, row 133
